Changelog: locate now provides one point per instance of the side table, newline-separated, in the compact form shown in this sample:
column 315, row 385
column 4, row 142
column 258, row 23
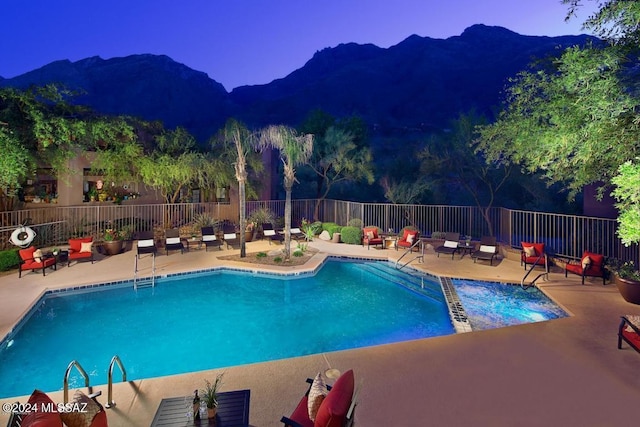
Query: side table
column 233, row 411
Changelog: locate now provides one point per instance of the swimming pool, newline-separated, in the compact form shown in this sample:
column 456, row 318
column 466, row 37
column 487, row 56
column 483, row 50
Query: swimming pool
column 203, row 321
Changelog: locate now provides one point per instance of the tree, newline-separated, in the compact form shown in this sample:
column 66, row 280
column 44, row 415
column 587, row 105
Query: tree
column 574, row 119
column 239, row 149
column 295, row 150
column 339, row 154
column 454, row 161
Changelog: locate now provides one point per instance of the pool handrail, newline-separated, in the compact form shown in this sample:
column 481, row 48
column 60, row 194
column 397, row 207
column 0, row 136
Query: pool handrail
column 65, row 382
column 114, row 360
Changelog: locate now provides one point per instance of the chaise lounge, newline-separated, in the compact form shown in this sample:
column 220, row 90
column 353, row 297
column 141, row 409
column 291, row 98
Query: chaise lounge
column 450, row 245
column 487, row 251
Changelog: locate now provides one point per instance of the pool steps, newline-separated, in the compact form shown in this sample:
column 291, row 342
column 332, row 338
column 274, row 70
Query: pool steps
column 410, row 279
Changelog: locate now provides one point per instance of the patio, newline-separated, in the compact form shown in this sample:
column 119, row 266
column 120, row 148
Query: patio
column 561, row 372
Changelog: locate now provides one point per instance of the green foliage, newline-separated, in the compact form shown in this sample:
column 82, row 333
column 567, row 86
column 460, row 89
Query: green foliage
column 316, row 227
column 627, row 195
column 9, row 259
column 262, row 215
column 626, row 269
column 302, row 247
column 335, row 228
column 205, row 220
column 355, row 222
column 351, row 235
column 210, row 393
column 327, row 225
column 298, row 253
column 277, row 259
column 261, row 254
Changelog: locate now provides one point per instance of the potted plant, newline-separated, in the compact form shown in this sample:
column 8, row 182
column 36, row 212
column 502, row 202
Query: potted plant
column 210, row 395
column 113, row 241
column 248, row 231
column 627, row 279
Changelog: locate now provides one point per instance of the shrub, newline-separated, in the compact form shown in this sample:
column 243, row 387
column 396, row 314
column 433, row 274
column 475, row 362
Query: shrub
column 9, row 259
column 277, row 259
column 262, row 215
column 351, row 235
column 355, row 222
column 327, row 225
column 298, row 252
column 261, row 255
column 334, row 229
column 316, row 227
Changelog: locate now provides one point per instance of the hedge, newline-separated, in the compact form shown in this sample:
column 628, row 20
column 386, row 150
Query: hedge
column 9, row 259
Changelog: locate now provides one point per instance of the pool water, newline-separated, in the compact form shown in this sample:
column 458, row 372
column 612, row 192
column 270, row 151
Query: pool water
column 197, row 322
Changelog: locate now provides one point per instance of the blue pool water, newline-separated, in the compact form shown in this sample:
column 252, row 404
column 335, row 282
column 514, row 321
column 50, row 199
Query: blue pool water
column 204, row 321
column 207, row 321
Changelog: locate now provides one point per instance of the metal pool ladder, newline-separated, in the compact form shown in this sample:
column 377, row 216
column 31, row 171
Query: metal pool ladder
column 145, row 281
column 544, row 275
column 419, row 257
column 114, row 360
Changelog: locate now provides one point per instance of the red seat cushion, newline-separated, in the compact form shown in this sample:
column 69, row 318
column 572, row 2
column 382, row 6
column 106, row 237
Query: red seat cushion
column 77, row 255
column 301, row 413
column 597, row 262
column 47, row 417
column 403, row 241
column 29, row 263
column 631, row 336
column 334, row 408
column 27, row 254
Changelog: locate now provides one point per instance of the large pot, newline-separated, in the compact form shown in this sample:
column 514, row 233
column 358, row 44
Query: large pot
column 248, row 236
column 629, row 289
column 113, row 247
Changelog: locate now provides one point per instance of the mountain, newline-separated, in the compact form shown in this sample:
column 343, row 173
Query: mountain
column 418, row 84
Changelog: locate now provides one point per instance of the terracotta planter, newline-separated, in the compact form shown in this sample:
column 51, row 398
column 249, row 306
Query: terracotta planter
column 113, row 247
column 629, row 289
column 211, row 412
column 248, row 236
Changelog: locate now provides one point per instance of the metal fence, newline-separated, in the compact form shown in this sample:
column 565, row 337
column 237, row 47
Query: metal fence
column 563, row 235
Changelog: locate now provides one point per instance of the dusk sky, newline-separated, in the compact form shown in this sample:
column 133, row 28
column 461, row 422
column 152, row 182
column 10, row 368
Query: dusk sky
column 247, row 42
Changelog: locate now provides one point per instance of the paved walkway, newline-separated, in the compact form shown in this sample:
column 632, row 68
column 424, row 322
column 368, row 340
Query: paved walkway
column 565, row 372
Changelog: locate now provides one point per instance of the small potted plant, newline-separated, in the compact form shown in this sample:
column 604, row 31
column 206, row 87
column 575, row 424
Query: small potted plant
column 209, row 395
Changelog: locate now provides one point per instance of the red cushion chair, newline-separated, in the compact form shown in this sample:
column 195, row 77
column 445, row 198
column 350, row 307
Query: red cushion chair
column 530, row 254
column 75, row 250
column 409, row 237
column 589, row 265
column 336, row 410
column 28, row 261
column 370, row 237
column 629, row 332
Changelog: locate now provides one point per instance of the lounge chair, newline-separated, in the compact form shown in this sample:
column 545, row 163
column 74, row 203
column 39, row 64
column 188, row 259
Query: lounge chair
column 629, row 331
column 408, row 239
column 450, row 246
column 269, row 232
column 590, row 264
column 209, row 238
column 487, row 251
column 33, row 259
column 336, row 410
column 172, row 241
column 371, row 237
column 230, row 237
column 533, row 253
column 297, row 234
column 146, row 244
column 80, row 248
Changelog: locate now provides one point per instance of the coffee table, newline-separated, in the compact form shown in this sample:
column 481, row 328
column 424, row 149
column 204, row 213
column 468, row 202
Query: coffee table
column 233, row 411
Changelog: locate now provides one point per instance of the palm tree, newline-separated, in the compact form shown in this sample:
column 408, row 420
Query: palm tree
column 295, row 150
column 239, row 142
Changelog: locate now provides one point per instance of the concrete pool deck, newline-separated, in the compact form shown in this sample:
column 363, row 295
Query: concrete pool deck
column 565, row 372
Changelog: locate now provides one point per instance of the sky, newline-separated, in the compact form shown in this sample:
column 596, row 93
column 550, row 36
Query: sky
column 248, row 42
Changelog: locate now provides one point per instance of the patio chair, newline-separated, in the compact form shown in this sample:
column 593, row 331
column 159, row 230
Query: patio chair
column 336, row 410
column 230, row 237
column 487, row 251
column 297, row 234
column 80, row 248
column 209, row 238
column 534, row 254
column 371, row 237
column 146, row 244
column 450, row 246
column 408, row 239
column 172, row 241
column 33, row 259
column 269, row 232
column 629, row 331
column 590, row 264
